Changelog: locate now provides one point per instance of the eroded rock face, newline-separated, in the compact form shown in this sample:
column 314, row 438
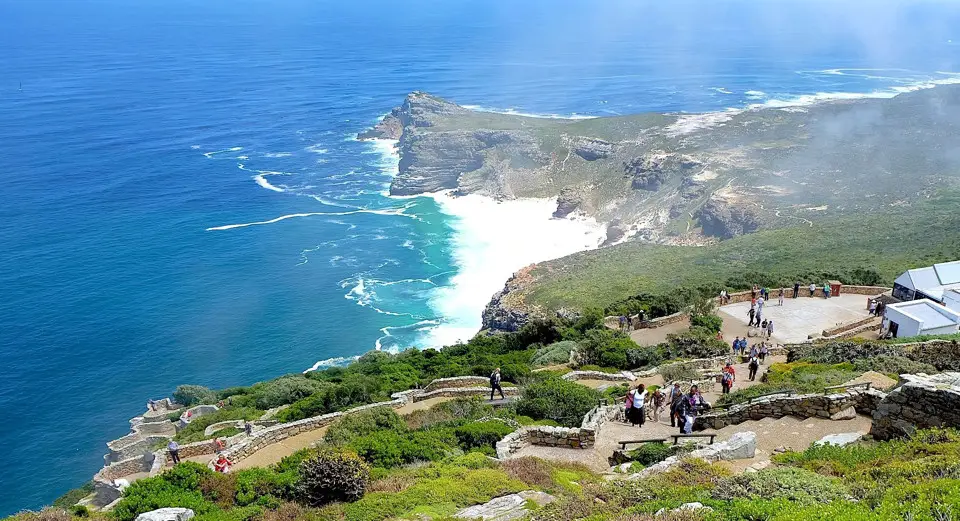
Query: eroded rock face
column 616, row 231
column 570, row 200
column 505, row 508
column 592, row 149
column 721, row 219
column 506, row 311
column 651, row 171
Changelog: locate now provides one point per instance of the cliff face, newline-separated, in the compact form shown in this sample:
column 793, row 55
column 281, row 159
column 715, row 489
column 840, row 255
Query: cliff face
column 686, row 179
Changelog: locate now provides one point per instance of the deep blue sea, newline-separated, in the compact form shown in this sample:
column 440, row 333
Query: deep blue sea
column 183, row 200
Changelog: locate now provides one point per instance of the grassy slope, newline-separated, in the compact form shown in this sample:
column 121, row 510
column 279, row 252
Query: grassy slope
column 889, row 241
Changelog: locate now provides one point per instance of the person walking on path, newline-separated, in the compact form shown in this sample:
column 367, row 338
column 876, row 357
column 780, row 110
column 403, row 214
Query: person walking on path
column 637, row 400
column 760, row 302
column 659, row 400
column 173, row 448
column 780, row 297
column 727, row 377
column 769, row 329
column 757, row 318
column 495, row 384
column 753, row 366
column 796, row 289
column 754, row 351
column 676, row 396
column 764, row 350
column 688, row 409
column 826, row 290
column 736, row 345
column 750, row 313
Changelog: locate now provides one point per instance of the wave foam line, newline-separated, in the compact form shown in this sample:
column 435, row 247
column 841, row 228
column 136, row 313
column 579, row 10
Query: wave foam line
column 396, row 211
column 515, row 112
column 337, row 361
column 209, row 155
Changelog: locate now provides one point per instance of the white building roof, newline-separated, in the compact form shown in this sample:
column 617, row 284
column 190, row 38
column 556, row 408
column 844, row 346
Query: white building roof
column 932, row 280
column 930, row 314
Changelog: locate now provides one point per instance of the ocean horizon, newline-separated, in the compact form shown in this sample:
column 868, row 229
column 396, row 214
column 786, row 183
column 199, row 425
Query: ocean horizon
column 185, row 199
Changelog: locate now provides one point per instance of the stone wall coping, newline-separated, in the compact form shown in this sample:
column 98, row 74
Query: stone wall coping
column 456, row 381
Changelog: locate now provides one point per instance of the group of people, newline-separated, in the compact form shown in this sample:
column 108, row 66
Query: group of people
column 877, row 308
column 684, row 407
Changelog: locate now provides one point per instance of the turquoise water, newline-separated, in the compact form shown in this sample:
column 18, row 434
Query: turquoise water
column 183, row 200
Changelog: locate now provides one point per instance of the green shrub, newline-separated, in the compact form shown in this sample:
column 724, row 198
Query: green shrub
column 194, row 430
column 482, row 435
column 190, row 395
column 711, row 323
column 178, row 487
column 389, row 449
column 789, row 483
column 456, row 410
column 552, row 398
column 893, row 364
column 653, row 453
column 284, row 390
column 679, row 372
column 352, row 426
column 73, row 496
column 332, row 476
column 256, row 483
column 604, row 347
column 554, row 354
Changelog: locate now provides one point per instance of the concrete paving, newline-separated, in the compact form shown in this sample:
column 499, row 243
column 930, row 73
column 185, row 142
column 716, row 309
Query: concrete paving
column 797, row 318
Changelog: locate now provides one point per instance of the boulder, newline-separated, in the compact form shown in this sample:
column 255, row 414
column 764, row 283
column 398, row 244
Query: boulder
column 742, row 445
column 592, row 149
column 505, row 508
column 651, row 171
column 167, row 514
column 840, row 440
column 846, row 414
column 686, row 507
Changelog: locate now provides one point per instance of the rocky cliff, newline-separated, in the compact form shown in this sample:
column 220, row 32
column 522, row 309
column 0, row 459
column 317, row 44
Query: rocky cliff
column 686, row 179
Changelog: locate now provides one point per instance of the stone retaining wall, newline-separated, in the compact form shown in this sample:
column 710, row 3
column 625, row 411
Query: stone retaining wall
column 803, row 406
column 922, row 401
column 583, row 437
column 847, row 326
column 460, row 392
column 457, row 381
column 623, row 376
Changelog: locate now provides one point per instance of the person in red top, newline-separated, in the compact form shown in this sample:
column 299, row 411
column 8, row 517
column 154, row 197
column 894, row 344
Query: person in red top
column 222, row 465
column 727, row 377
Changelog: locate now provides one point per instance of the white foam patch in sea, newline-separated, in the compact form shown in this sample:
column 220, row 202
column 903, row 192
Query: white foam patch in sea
column 514, row 112
column 492, row 240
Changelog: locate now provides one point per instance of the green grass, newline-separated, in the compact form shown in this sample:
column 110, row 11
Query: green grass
column 799, row 377
column 889, row 242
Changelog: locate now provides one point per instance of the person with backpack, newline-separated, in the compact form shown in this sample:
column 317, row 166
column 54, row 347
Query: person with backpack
column 676, row 395
column 727, row 377
column 495, row 384
column 753, row 365
column 689, row 407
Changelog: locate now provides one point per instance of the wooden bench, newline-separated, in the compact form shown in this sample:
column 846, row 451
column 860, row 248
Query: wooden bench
column 623, row 444
column 676, row 437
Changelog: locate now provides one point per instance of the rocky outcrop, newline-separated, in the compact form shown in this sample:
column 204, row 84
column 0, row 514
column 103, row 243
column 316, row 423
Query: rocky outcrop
column 167, row 514
column 390, row 127
column 506, row 508
column 592, row 149
column 651, row 171
column 571, row 199
column 725, row 220
column 506, row 310
column 921, row 401
column 616, row 231
column 419, row 109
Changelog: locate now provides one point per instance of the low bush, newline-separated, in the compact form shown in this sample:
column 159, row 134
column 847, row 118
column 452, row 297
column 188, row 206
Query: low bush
column 794, row 484
column 604, row 347
column 190, row 395
column 352, row 426
column 332, row 476
column 194, row 430
column 482, row 435
column 893, row 365
column 178, row 487
column 712, row 323
column 679, row 373
column 653, row 453
column 554, row 354
column 284, row 390
column 389, row 449
column 460, row 409
column 553, row 398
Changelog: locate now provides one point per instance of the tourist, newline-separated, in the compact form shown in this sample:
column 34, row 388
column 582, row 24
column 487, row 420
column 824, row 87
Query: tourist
column 763, row 325
column 152, row 405
column 688, row 409
column 753, row 366
column 872, row 307
column 826, row 290
column 796, row 289
column 724, row 297
column 727, row 377
column 495, row 384
column 623, row 323
column 218, row 444
column 780, row 297
column 173, row 448
column 753, row 292
column 736, row 345
column 813, row 289
column 676, row 395
column 659, row 402
column 751, row 312
column 638, row 398
column 758, row 317
column 754, row 351
column 769, row 329
column 248, row 428
column 764, row 350
column 222, row 465
column 760, row 302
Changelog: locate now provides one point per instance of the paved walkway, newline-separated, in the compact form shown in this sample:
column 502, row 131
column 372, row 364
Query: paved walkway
column 797, row 318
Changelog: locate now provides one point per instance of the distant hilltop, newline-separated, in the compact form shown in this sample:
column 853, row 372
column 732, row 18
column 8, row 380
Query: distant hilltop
column 687, row 178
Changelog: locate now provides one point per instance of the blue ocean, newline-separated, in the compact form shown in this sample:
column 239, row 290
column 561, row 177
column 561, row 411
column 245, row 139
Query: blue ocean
column 183, row 199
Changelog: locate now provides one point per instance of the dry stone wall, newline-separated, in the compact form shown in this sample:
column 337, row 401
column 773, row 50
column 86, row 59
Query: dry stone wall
column 583, row 437
column 921, row 401
column 457, row 381
column 825, row 406
column 623, row 376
